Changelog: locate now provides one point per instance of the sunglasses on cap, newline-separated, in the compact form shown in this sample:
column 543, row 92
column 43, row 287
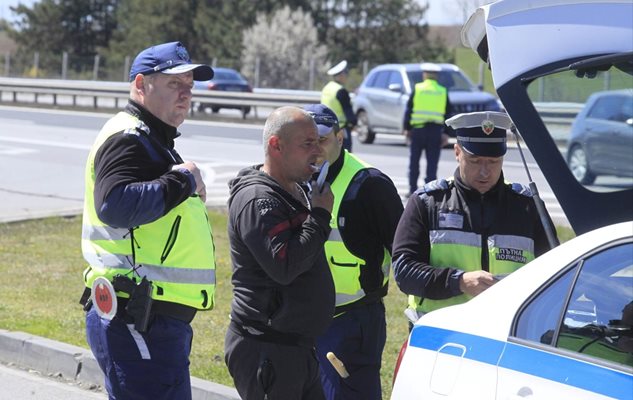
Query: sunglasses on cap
column 321, row 119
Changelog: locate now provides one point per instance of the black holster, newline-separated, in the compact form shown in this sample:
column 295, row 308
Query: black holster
column 139, row 305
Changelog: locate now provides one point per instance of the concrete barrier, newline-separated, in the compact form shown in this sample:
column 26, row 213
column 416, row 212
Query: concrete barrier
column 77, row 364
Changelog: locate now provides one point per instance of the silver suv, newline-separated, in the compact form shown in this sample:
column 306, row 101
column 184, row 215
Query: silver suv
column 381, row 99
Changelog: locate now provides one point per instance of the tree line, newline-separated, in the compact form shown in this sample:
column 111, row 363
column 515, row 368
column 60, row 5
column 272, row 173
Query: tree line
column 282, row 39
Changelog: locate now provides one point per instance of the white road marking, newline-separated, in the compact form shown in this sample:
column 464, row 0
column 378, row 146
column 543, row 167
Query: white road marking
column 50, row 143
column 14, row 151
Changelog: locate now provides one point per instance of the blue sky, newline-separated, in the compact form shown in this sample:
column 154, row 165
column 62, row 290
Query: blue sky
column 438, row 13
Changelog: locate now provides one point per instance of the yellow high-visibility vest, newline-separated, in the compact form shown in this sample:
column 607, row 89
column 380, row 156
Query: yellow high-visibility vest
column 328, row 97
column 345, row 266
column 429, row 103
column 175, row 252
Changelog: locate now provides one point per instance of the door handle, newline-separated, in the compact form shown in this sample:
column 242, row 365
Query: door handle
column 523, row 393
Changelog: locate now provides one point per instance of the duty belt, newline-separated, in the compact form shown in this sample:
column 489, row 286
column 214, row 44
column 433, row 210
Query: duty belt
column 174, row 310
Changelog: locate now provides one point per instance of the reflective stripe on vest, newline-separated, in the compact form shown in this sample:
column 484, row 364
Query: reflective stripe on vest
column 429, row 103
column 344, row 265
column 175, row 252
column 328, row 97
column 463, row 250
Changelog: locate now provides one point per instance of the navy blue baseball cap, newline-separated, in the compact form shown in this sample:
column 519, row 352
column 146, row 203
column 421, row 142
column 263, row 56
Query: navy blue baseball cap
column 324, row 118
column 482, row 133
column 168, row 58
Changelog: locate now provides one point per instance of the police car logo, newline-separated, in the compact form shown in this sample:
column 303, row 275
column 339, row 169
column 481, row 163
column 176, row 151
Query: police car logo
column 182, row 52
column 487, row 126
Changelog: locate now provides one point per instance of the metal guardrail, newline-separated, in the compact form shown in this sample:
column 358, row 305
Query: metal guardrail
column 120, row 91
column 556, row 113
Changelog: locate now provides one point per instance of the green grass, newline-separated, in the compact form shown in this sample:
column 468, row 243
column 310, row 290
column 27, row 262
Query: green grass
column 41, row 283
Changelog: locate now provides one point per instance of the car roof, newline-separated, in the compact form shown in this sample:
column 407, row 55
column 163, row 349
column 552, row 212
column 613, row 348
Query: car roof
column 515, row 38
column 619, row 92
column 414, row 67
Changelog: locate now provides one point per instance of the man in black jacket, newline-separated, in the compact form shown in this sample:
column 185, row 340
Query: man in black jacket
column 283, row 294
column 459, row 236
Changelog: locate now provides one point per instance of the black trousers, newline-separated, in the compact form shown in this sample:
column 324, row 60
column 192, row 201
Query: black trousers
column 272, row 371
column 429, row 139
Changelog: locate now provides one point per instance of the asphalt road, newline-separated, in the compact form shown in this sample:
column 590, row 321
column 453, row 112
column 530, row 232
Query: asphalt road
column 43, row 153
column 18, row 384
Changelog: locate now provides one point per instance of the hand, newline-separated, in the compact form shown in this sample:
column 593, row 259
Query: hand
column 475, row 282
column 444, row 139
column 201, row 189
column 407, row 136
column 324, row 199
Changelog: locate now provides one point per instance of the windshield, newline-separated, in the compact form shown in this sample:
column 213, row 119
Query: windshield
column 454, row 81
column 591, row 122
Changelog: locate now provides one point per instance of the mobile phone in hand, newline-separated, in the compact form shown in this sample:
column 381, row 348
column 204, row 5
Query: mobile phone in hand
column 322, row 174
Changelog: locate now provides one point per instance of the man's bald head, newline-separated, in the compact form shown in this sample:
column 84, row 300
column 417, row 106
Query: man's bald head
column 282, row 123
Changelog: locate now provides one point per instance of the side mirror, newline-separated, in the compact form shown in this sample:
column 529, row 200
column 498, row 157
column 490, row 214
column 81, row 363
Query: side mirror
column 395, row 87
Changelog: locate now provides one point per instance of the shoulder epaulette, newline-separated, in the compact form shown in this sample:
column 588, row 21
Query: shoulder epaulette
column 131, row 131
column 521, row 189
column 140, row 127
column 433, row 186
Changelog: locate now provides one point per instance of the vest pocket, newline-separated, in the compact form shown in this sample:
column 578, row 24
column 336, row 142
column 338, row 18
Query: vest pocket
column 205, row 297
column 171, row 240
column 340, row 263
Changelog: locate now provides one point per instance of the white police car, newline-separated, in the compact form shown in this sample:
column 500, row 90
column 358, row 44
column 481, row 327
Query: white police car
column 562, row 326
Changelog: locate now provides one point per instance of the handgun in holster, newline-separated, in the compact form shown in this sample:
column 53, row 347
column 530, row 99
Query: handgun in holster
column 139, row 305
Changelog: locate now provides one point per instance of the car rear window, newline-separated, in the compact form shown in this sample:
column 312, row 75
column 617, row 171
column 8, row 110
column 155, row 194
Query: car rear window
column 613, row 108
column 227, row 76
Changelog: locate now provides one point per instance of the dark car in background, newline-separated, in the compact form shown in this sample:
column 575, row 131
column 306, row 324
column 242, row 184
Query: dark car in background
column 224, row 79
column 381, row 99
column 601, row 139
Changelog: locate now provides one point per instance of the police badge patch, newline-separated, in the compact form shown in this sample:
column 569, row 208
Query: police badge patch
column 182, row 52
column 487, row 126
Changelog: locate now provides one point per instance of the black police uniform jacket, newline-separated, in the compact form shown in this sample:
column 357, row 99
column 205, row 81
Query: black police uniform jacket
column 505, row 209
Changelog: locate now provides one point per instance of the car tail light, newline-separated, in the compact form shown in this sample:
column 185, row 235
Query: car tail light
column 403, row 349
column 211, row 86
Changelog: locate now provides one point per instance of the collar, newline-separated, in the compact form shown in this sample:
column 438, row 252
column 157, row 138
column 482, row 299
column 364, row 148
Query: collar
column 336, row 167
column 472, row 192
column 165, row 133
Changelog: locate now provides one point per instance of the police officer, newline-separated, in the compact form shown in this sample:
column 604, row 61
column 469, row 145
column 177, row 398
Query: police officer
column 146, row 235
column 427, row 109
column 365, row 214
column 458, row 236
column 336, row 97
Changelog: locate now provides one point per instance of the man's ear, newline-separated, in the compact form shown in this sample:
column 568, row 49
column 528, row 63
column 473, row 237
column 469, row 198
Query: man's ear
column 457, row 151
column 139, row 84
column 340, row 135
column 274, row 143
